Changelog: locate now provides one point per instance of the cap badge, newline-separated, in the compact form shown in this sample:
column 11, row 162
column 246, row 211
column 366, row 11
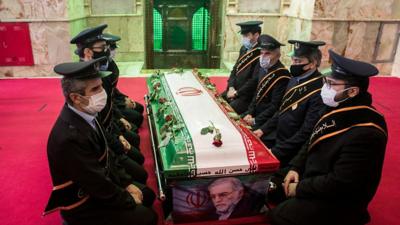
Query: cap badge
column 339, row 70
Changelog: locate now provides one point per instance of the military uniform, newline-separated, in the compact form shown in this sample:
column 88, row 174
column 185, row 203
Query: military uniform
column 340, row 166
column 267, row 99
column 270, row 86
column 243, row 70
column 291, row 126
column 133, row 159
column 135, row 115
column 89, row 186
column 110, row 116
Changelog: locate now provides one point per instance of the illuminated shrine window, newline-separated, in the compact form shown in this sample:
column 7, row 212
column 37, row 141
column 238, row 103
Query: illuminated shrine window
column 158, row 30
column 200, row 25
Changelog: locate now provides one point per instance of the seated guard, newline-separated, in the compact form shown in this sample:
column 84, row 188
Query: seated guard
column 270, row 80
column 336, row 174
column 88, row 186
column 244, row 68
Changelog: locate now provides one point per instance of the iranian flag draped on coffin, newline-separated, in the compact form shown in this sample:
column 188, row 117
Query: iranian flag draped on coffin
column 182, row 105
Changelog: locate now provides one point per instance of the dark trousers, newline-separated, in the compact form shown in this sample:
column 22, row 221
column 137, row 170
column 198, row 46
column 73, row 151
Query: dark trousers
column 267, row 141
column 296, row 211
column 240, row 105
column 133, row 168
column 139, row 107
column 101, row 215
column 133, row 138
column 313, row 211
column 278, row 195
column 133, row 115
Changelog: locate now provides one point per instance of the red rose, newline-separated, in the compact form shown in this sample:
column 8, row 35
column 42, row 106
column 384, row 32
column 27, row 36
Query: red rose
column 162, row 100
column 168, row 118
column 217, row 143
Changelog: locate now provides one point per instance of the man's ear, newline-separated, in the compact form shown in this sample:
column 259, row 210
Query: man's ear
column 353, row 91
column 277, row 54
column 311, row 65
column 75, row 98
column 87, row 53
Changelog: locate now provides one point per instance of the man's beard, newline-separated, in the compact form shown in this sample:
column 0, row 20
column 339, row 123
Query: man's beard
column 230, row 208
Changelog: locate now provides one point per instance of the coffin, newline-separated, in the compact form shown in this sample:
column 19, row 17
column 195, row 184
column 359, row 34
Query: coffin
column 209, row 164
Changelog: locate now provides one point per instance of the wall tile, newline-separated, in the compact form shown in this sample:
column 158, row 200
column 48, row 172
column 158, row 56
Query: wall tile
column 323, row 31
column 340, row 36
column 387, row 42
column 33, row 9
column 129, row 28
column 50, row 42
column 357, row 9
column 396, row 64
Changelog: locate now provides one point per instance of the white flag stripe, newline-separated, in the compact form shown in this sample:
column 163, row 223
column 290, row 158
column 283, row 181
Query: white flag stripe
column 197, row 111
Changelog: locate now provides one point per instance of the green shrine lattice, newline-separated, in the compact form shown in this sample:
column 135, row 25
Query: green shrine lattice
column 157, row 29
column 200, row 24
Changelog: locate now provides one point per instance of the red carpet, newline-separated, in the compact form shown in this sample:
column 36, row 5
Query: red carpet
column 29, row 107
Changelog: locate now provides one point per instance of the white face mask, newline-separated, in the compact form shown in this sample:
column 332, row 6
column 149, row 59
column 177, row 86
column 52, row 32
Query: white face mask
column 246, row 43
column 328, row 96
column 97, row 103
column 265, row 62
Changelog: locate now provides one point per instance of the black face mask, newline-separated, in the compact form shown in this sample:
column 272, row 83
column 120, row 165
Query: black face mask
column 103, row 65
column 97, row 55
column 297, row 70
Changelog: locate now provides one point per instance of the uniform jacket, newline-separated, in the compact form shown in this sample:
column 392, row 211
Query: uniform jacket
column 342, row 171
column 78, row 155
column 292, row 128
column 264, row 108
column 238, row 80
